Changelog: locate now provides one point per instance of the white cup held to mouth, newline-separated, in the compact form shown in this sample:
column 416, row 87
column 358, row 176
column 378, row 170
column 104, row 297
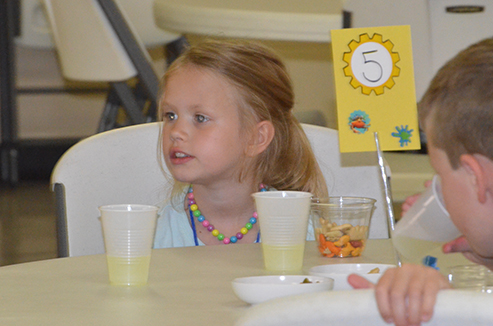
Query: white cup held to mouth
column 425, row 226
column 128, row 232
column 283, row 219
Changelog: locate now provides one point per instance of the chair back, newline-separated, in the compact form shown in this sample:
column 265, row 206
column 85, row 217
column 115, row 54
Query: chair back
column 351, row 174
column 452, row 308
column 122, row 166
column 141, row 15
column 88, row 47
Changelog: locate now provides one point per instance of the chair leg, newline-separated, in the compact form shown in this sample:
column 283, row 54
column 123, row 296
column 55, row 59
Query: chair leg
column 149, row 107
column 129, row 103
column 110, row 111
column 61, row 220
column 175, row 48
column 121, row 96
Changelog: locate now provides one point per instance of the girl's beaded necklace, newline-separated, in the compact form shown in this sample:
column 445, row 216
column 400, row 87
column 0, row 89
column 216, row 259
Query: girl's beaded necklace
column 195, row 212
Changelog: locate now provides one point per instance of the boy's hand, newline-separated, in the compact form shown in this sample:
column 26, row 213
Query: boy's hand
column 405, row 295
column 409, row 201
column 461, row 245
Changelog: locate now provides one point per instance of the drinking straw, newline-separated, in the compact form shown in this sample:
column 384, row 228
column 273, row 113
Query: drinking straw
column 388, row 195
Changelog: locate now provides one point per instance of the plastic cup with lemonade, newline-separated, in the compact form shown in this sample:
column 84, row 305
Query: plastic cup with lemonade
column 283, row 219
column 425, row 226
column 128, row 232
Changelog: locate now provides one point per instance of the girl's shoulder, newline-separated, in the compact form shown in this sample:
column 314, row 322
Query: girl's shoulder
column 173, row 227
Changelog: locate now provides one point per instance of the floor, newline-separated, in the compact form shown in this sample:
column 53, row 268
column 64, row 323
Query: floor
column 27, row 223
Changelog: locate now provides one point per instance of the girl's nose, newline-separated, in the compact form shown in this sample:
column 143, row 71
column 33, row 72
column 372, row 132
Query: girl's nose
column 177, row 132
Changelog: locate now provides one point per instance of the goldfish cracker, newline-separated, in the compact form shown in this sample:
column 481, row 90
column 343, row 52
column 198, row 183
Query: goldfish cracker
column 356, row 252
column 342, row 241
column 332, row 247
column 346, row 251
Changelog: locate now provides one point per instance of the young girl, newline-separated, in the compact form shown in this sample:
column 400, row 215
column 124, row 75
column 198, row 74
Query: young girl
column 228, row 131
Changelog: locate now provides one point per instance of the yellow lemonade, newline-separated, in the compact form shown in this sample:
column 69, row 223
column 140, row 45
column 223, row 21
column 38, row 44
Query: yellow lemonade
column 128, row 271
column 412, row 249
column 283, row 258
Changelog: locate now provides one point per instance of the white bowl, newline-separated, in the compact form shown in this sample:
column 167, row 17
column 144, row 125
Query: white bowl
column 256, row 289
column 340, row 273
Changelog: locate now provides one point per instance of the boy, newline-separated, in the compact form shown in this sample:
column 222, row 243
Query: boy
column 456, row 114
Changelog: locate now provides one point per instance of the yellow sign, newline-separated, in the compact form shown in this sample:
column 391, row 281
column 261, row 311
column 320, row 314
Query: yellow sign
column 374, row 80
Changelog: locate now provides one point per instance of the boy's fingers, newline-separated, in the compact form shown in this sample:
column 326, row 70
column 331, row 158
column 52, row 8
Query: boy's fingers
column 398, row 297
column 458, row 245
column 359, row 282
column 429, row 298
column 382, row 294
column 415, row 300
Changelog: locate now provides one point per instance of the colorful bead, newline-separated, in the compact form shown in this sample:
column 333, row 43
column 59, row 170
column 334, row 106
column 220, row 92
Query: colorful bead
column 194, row 208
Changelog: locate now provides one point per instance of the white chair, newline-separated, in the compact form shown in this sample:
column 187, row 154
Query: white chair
column 122, row 166
column 97, row 42
column 359, row 307
column 351, row 174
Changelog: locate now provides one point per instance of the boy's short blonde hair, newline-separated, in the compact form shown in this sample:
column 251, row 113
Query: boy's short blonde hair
column 458, row 104
column 264, row 94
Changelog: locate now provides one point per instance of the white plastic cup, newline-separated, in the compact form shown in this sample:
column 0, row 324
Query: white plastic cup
column 425, row 226
column 283, row 218
column 128, row 235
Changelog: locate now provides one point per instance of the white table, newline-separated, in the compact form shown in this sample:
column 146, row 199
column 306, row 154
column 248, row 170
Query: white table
column 187, row 286
column 308, row 20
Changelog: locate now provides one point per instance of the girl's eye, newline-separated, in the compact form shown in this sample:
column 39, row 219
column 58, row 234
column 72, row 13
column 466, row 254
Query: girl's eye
column 201, row 118
column 170, row 116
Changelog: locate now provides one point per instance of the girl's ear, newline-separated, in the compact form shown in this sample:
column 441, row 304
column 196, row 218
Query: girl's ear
column 475, row 169
column 261, row 138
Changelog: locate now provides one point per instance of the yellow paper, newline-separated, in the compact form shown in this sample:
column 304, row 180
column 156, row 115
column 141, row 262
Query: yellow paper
column 375, row 90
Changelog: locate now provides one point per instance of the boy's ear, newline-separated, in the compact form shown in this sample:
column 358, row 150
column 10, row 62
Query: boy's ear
column 477, row 174
column 262, row 138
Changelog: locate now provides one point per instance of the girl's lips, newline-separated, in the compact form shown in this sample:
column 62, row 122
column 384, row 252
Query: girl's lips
column 179, row 157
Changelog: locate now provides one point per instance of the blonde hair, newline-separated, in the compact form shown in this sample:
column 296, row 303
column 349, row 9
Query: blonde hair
column 264, row 94
column 459, row 104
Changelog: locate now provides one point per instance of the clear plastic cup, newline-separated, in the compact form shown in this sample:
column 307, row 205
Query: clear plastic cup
column 472, row 278
column 128, row 232
column 283, row 218
column 425, row 226
column 341, row 225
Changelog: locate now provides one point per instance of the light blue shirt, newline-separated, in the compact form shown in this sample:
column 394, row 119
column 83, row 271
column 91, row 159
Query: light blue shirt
column 173, row 228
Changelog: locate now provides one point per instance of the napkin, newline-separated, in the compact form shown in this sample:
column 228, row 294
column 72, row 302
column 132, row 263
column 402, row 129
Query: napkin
column 358, row 307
